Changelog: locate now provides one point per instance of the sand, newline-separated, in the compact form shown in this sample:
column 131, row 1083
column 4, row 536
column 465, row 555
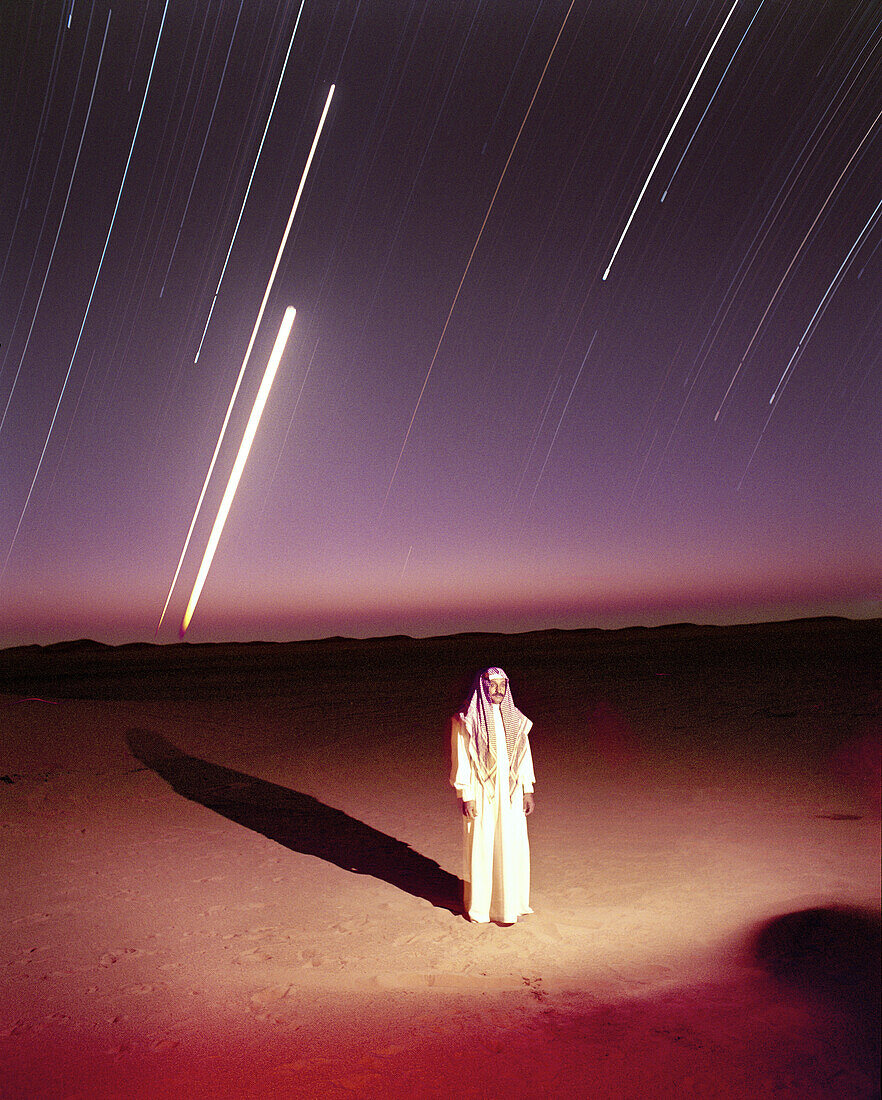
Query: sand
column 233, row 871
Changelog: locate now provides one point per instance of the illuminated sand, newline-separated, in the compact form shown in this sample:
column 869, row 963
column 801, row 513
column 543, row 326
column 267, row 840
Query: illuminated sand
column 705, row 854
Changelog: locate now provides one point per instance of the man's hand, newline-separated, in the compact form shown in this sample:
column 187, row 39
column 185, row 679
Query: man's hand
column 469, row 809
column 529, row 804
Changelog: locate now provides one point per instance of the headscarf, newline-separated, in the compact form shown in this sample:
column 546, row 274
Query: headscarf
column 477, row 717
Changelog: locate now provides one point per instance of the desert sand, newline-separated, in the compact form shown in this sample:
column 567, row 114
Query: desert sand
column 233, row 871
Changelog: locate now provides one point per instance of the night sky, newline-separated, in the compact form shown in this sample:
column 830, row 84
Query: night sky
column 470, row 429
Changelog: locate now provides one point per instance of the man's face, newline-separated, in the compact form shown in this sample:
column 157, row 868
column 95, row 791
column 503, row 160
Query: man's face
column 495, row 689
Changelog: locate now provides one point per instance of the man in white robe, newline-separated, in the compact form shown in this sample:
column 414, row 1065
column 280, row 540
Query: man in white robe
column 492, row 773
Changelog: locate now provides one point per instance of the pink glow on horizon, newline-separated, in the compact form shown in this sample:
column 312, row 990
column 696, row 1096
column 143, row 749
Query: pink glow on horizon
column 376, row 614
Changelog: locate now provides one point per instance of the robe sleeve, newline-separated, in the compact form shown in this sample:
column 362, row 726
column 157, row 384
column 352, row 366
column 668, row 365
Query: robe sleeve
column 461, row 776
column 527, row 777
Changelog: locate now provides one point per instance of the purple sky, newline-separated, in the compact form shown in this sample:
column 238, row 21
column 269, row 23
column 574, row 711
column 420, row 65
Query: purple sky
column 578, row 456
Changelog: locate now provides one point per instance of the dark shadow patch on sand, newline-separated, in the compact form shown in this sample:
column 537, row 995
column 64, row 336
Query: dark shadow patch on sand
column 831, row 955
column 298, row 821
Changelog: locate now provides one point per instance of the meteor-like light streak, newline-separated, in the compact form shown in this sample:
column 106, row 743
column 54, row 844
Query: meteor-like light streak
column 709, row 102
column 796, row 254
column 91, row 292
column 250, row 179
column 266, row 295
column 472, row 254
column 63, row 210
column 668, row 138
column 239, row 465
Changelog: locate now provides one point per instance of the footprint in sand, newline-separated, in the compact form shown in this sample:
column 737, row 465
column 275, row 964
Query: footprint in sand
column 346, row 926
column 257, row 933
column 161, row 1045
column 252, row 958
column 31, row 918
column 641, row 975
column 406, row 940
column 116, row 953
column 20, row 1027
column 271, row 995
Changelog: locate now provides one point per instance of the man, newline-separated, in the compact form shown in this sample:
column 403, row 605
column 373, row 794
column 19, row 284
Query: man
column 493, row 775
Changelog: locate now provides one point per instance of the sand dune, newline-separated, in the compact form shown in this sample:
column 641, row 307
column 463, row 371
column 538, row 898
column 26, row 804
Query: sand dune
column 233, row 871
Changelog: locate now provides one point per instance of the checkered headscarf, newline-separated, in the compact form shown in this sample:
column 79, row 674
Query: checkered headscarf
column 476, row 716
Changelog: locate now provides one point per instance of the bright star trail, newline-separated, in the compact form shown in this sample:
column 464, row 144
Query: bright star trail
column 480, row 431
column 248, row 350
column 239, row 465
column 661, row 151
column 713, row 96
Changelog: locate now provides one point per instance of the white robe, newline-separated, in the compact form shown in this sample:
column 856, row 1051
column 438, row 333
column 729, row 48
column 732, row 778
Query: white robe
column 496, row 852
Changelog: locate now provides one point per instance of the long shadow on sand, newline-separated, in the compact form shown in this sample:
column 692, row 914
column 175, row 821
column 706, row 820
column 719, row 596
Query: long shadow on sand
column 298, row 821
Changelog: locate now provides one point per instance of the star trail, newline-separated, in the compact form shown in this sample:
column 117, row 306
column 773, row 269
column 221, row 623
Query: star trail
column 588, row 326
